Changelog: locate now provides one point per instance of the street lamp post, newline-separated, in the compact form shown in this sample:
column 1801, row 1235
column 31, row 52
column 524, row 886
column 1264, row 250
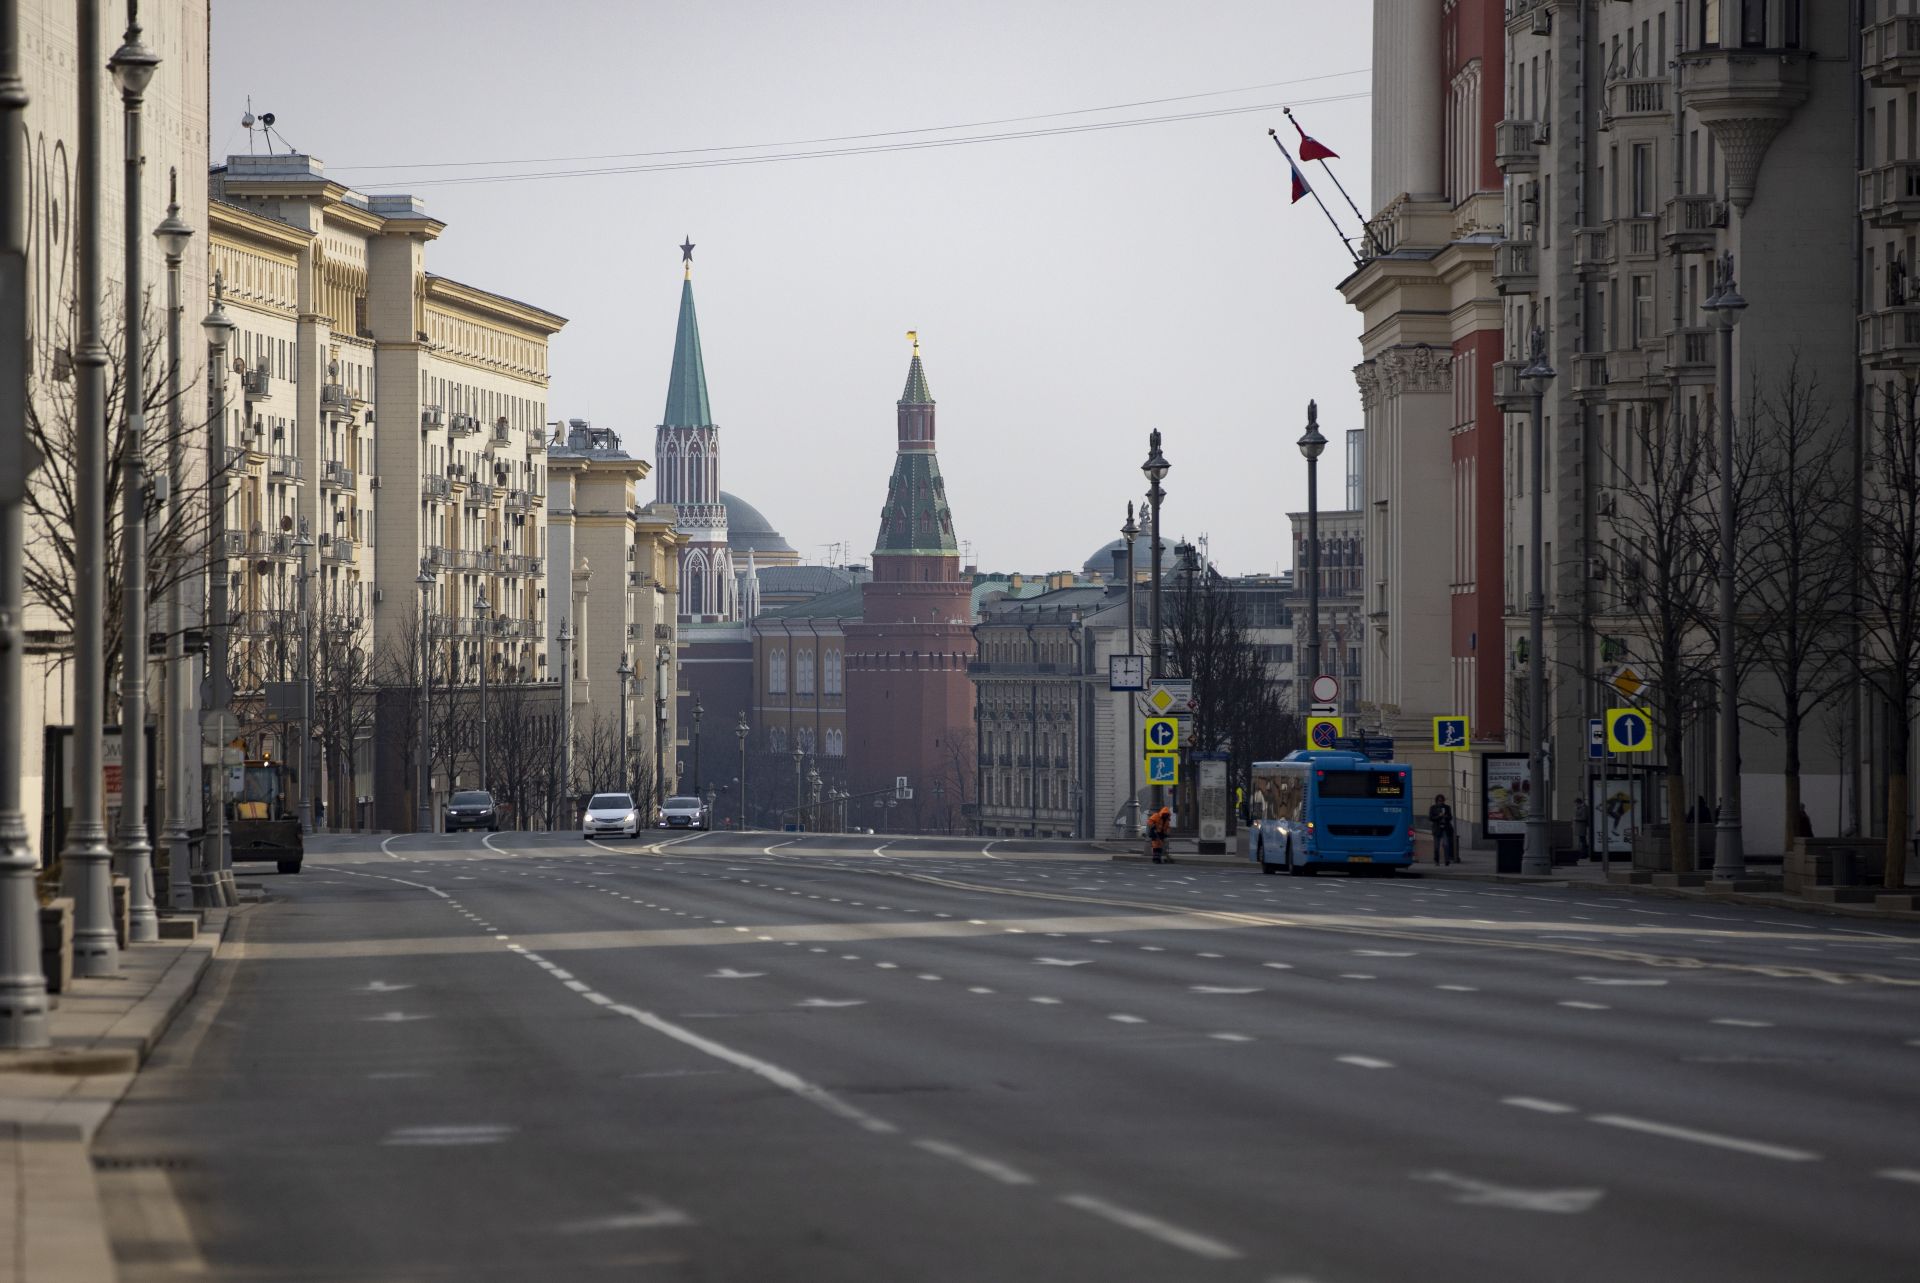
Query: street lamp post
column 304, row 542
column 1156, row 468
column 87, row 876
column 182, row 745
column 566, row 713
column 212, row 890
column 133, row 65
column 481, row 608
column 741, row 730
column 799, row 756
column 813, row 794
column 23, row 986
column 698, row 713
column 625, row 674
column 1312, row 446
column 423, row 807
column 1131, row 531
column 660, row 727
column 1537, row 856
column 1729, row 843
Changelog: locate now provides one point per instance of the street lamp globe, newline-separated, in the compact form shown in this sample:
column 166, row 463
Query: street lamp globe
column 133, row 64
column 173, row 234
column 1312, row 443
column 1156, row 466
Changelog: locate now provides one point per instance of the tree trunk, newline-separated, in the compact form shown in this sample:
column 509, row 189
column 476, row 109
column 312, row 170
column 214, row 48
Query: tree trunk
column 1791, row 787
column 1679, row 832
column 1898, row 753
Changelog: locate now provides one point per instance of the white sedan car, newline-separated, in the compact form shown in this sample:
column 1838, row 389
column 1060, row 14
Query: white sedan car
column 610, row 815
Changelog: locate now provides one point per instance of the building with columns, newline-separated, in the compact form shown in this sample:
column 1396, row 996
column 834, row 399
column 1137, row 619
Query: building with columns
column 909, row 702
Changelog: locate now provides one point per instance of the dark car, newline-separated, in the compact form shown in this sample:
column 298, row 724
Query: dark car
column 472, row 809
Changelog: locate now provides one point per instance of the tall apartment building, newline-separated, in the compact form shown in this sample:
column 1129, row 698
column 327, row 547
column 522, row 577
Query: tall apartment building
column 396, row 416
column 1578, row 168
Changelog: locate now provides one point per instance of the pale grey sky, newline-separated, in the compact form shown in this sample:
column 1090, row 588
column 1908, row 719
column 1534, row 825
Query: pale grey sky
column 1071, row 292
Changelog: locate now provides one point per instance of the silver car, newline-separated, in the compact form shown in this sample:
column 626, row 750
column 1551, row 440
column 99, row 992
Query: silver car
column 683, row 813
column 610, row 815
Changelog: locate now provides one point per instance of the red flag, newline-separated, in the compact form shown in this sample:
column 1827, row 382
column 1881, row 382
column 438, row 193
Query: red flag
column 1300, row 187
column 1313, row 150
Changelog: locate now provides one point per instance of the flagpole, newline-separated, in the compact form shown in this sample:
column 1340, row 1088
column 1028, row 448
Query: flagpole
column 1273, row 134
column 1365, row 227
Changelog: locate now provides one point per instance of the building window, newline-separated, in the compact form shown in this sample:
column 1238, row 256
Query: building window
column 777, row 672
column 831, row 676
column 836, row 743
column 776, row 739
column 803, row 672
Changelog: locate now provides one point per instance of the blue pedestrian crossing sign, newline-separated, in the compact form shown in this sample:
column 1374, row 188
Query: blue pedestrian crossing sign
column 1629, row 730
column 1449, row 734
column 1163, row 735
column 1163, row 768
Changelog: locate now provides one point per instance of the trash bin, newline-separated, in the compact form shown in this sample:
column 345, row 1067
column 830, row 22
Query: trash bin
column 1507, row 853
column 1846, row 867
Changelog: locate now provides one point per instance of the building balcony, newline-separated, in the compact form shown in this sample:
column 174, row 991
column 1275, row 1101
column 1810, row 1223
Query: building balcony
column 1593, row 250
column 1630, row 375
column 1890, row 338
column 236, row 541
column 337, row 474
column 462, row 425
column 1691, row 224
column 336, row 549
column 1744, row 96
column 1642, row 99
column 1639, row 238
column 1690, row 357
column 1890, row 52
column 519, row 501
column 334, row 399
column 479, row 494
column 285, row 465
column 1516, row 145
column 1890, row 195
column 1590, row 375
column 432, row 487
column 1516, row 267
column 1510, row 391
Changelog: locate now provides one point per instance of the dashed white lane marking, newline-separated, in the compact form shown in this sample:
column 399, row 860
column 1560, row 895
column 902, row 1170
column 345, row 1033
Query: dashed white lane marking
column 1618, row 980
column 1062, row 962
column 1738, row 1023
column 1355, row 975
column 1759, row 1148
column 1537, row 1105
column 653, row 1215
column 1153, row 1227
column 1907, row 1174
column 1479, row 1193
column 1279, row 966
column 927, row 975
column 1384, row 953
column 1231, row 1037
column 1049, row 1002
column 988, row 1167
column 1127, row 1020
column 728, row 973
column 382, row 986
column 1586, row 1006
column 1365, row 1062
column 395, row 1018
column 1222, row 989
column 831, row 1002
column 1459, row 988
column 475, row 1134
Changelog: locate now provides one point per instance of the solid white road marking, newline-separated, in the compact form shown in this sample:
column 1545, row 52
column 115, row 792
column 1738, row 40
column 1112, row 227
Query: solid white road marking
column 1486, row 1194
column 1759, row 1148
column 1365, row 1062
column 988, row 1167
column 1153, row 1227
column 1537, row 1105
column 476, row 1134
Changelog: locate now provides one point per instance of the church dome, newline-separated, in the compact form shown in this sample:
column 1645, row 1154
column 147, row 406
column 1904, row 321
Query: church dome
column 1101, row 563
column 748, row 528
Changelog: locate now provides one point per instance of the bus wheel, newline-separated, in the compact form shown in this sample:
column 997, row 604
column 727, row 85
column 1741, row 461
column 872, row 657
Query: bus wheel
column 1265, row 867
column 1294, row 868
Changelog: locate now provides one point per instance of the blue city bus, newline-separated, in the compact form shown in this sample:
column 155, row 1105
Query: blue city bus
column 1331, row 809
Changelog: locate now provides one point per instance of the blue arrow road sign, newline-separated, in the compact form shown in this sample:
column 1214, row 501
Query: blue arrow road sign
column 1161, row 733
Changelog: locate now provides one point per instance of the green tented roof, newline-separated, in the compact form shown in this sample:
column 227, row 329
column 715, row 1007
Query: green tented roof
column 687, row 382
column 916, row 392
column 916, row 518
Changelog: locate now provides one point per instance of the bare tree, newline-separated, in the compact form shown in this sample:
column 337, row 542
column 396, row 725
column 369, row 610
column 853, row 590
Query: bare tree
column 1659, row 583
column 1797, row 568
column 343, row 703
column 523, row 737
column 176, row 531
column 1887, row 573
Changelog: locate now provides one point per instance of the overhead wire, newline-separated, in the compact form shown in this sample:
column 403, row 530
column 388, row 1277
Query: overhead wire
column 846, row 138
column 921, row 144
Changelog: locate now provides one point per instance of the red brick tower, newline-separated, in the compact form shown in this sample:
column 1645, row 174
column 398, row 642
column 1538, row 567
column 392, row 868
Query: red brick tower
column 909, row 703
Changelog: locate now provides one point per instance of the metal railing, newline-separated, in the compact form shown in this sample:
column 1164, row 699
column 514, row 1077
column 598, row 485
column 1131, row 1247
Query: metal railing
column 479, row 494
column 1516, row 144
column 334, row 398
column 1642, row 237
column 285, row 465
column 1593, row 248
column 335, row 473
column 519, row 501
column 1691, row 221
column 1515, row 267
column 1631, row 97
column 336, row 549
column 434, row 487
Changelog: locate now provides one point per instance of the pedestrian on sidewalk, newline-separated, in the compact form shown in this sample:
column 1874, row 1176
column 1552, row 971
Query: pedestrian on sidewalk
column 1440, row 818
column 1159, row 825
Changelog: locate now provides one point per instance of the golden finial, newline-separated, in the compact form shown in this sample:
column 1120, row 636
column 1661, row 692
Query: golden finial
column 913, row 337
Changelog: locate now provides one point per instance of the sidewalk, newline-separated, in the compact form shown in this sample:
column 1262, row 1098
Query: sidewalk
column 53, row 1101
column 1479, row 866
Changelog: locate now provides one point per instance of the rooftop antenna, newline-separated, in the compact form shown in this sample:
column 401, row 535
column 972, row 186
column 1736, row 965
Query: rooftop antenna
column 247, row 122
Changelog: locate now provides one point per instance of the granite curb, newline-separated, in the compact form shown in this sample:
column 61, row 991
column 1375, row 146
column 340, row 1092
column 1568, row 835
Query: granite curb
column 53, row 1101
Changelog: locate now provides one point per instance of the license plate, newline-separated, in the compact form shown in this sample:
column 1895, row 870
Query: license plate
column 1359, row 859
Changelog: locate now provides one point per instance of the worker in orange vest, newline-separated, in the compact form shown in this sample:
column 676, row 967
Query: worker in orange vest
column 1159, row 825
